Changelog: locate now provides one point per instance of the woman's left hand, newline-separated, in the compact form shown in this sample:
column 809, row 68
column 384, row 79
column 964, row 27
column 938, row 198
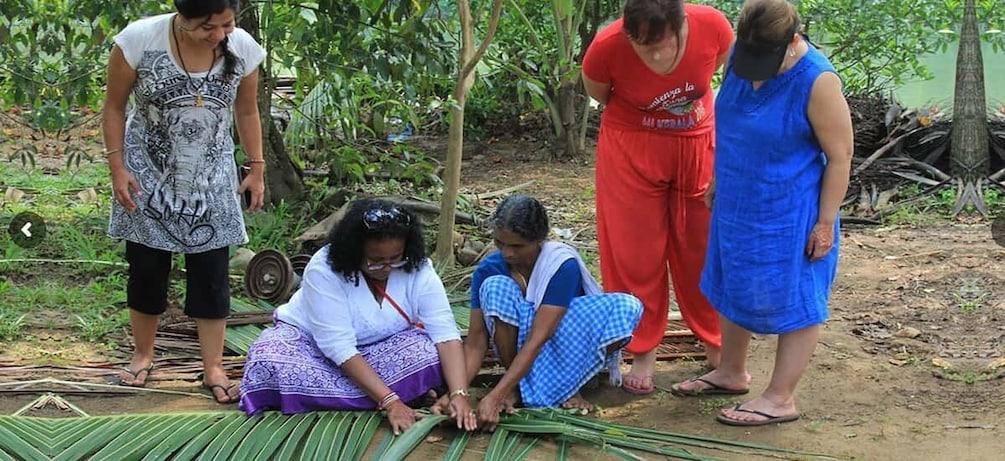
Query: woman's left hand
column 489, row 409
column 820, row 242
column 255, row 183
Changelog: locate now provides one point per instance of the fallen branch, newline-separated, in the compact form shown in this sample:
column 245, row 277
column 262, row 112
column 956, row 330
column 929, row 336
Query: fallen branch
column 916, row 178
column 859, row 220
column 916, row 255
column 997, row 175
column 883, row 150
column 918, row 198
column 62, row 261
column 926, row 167
column 504, row 191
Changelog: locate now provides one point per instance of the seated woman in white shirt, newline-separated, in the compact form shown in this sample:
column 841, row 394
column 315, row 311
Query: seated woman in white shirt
column 539, row 308
column 369, row 328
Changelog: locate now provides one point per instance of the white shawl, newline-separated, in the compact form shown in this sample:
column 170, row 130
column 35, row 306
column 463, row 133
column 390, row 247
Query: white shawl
column 553, row 255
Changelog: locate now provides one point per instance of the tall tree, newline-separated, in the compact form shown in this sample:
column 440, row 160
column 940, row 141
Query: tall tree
column 969, row 151
column 469, row 57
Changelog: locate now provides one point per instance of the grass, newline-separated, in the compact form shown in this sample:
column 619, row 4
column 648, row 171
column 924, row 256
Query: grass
column 75, row 280
column 12, row 324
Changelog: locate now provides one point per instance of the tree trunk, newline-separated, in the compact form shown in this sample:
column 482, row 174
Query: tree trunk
column 283, row 179
column 970, row 149
column 970, row 156
column 567, row 97
column 455, row 146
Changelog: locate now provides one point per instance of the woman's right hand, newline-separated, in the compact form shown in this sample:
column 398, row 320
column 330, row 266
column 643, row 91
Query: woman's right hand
column 123, row 186
column 401, row 417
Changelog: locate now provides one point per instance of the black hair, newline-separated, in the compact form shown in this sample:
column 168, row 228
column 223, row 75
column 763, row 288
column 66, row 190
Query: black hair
column 646, row 21
column 373, row 220
column 523, row 215
column 192, row 9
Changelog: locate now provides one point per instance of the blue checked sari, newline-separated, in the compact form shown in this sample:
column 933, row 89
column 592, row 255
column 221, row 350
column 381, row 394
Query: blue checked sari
column 578, row 349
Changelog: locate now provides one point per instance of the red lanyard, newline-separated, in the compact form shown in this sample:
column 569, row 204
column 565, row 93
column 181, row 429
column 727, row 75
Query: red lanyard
column 394, row 303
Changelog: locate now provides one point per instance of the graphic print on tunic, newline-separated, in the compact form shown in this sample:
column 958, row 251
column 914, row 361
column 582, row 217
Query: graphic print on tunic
column 181, row 195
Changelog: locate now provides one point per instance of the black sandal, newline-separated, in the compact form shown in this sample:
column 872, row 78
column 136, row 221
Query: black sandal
column 227, row 399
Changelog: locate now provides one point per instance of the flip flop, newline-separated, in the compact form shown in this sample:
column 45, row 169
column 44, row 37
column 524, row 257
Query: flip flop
column 771, row 419
column 638, row 390
column 136, row 376
column 712, row 389
column 226, row 392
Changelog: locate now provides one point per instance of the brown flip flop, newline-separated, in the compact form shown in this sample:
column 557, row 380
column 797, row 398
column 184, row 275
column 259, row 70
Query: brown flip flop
column 227, row 399
column 136, row 375
column 771, row 419
column 712, row 389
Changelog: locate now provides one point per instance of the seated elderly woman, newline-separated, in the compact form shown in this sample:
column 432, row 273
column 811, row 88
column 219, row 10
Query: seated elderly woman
column 543, row 313
column 370, row 327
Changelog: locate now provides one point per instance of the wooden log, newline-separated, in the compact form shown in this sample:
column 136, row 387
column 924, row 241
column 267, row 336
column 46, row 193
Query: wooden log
column 320, row 230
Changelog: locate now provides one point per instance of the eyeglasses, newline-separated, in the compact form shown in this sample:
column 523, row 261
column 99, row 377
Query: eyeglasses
column 382, row 266
column 381, row 217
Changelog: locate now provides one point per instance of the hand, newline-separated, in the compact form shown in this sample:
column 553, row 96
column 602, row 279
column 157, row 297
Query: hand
column 460, row 410
column 400, row 416
column 489, row 409
column 820, row 242
column 710, row 194
column 442, row 405
column 254, row 182
column 457, row 408
column 123, row 186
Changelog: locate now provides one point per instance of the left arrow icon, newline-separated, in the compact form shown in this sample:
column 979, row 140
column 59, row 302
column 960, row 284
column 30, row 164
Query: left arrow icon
column 27, row 230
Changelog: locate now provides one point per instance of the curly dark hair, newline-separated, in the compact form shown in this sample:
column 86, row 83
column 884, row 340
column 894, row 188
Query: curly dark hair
column 373, row 220
column 522, row 215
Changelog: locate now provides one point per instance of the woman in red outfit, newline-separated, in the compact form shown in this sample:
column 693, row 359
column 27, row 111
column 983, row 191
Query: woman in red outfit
column 652, row 69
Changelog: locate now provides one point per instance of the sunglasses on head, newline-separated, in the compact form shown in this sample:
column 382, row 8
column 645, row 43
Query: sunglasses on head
column 377, row 218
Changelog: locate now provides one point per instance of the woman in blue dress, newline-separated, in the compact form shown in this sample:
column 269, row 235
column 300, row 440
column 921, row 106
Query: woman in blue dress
column 536, row 304
column 784, row 145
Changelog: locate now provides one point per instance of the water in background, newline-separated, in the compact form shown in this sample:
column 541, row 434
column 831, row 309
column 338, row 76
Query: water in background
column 940, row 89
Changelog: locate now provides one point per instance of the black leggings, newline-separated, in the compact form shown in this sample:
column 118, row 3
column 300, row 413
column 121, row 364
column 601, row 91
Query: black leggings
column 207, row 288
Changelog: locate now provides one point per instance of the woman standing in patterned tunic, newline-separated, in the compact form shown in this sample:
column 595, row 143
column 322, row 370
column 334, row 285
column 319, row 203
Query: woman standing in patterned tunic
column 370, row 327
column 192, row 76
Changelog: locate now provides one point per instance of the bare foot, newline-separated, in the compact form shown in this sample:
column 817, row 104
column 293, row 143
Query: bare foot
column 712, row 381
column 759, row 411
column 712, row 355
column 577, row 402
column 644, row 364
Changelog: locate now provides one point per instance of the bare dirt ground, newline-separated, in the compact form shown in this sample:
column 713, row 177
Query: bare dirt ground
column 905, row 368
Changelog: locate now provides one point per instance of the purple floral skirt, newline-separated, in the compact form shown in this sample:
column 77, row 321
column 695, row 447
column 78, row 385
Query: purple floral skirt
column 286, row 371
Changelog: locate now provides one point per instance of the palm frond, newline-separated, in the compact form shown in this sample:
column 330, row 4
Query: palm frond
column 333, row 435
column 457, row 447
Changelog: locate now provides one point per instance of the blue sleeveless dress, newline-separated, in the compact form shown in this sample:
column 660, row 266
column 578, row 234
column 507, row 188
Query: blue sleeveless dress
column 768, row 170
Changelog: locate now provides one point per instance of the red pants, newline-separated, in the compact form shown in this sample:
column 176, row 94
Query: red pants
column 651, row 214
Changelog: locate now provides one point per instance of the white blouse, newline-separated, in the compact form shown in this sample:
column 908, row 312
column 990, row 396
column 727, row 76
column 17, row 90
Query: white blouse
column 341, row 315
